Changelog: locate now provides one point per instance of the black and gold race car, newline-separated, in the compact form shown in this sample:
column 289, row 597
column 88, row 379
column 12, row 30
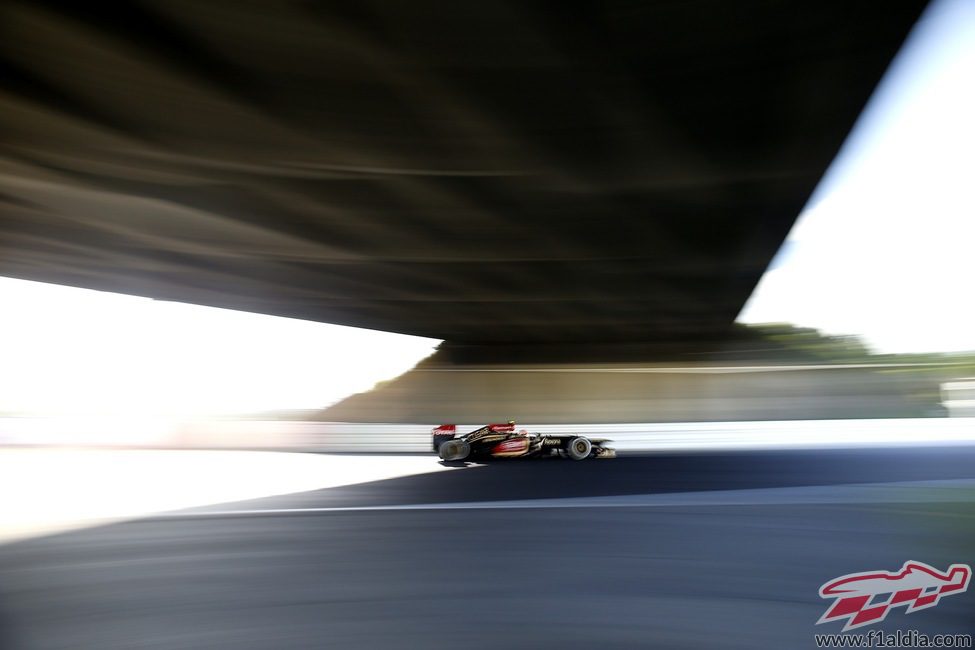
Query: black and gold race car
column 503, row 441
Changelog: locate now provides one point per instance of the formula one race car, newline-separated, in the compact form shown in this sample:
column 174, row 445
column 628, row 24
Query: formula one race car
column 502, row 441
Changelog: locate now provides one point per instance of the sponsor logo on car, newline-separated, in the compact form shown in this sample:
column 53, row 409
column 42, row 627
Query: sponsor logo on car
column 517, row 445
column 501, row 428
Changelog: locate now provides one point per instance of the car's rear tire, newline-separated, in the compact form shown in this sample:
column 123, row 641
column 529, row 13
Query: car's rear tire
column 579, row 448
column 453, row 450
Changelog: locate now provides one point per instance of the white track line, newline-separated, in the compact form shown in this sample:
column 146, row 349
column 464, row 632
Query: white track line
column 948, row 491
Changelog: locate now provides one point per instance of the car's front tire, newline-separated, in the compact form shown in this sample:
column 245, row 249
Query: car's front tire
column 454, row 450
column 579, row 448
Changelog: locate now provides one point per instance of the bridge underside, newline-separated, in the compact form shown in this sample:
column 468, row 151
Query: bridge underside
column 474, row 171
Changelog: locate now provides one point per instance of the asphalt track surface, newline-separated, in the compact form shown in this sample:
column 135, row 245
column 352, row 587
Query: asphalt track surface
column 287, row 572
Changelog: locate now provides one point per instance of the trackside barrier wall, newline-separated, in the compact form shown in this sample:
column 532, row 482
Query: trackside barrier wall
column 372, row 438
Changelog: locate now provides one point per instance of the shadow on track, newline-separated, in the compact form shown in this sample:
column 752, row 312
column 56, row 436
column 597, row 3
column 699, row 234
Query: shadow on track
column 676, row 577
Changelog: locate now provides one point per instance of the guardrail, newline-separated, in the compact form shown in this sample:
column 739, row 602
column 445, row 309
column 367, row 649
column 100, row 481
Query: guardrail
column 670, row 436
column 399, row 438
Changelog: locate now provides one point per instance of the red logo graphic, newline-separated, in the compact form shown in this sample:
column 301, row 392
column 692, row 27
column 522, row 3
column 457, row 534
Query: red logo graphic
column 515, row 445
column 502, row 428
column 865, row 598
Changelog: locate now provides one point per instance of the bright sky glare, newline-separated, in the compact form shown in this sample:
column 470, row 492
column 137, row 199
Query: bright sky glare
column 886, row 246
column 67, row 350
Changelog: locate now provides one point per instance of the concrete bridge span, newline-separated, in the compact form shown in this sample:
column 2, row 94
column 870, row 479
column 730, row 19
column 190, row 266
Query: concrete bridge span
column 480, row 171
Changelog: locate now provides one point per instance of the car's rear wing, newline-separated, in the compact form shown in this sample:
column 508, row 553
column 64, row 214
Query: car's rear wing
column 442, row 433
